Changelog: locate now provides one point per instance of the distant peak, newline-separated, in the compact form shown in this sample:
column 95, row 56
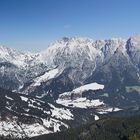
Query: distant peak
column 65, row 39
column 75, row 39
column 135, row 38
column 3, row 47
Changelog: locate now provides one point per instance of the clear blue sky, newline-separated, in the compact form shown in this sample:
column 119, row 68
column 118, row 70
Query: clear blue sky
column 32, row 24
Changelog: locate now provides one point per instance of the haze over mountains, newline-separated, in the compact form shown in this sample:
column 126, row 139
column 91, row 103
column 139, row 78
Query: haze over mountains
column 72, row 81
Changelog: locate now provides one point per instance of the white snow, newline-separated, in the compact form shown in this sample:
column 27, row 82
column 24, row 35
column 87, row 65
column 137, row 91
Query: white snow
column 24, row 98
column 92, row 86
column 96, row 117
column 10, row 128
column 9, row 97
column 45, row 77
column 42, row 95
column 52, row 123
column 79, row 90
column 13, row 56
column 81, row 103
column 108, row 109
column 33, row 106
column 61, row 113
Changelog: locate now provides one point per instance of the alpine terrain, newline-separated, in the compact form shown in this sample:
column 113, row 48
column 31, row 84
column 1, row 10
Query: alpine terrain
column 71, row 82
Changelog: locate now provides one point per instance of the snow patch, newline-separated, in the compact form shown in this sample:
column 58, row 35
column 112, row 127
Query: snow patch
column 9, row 98
column 61, row 113
column 80, row 103
column 92, row 86
column 109, row 109
column 45, row 77
column 81, row 89
column 24, row 98
column 96, row 117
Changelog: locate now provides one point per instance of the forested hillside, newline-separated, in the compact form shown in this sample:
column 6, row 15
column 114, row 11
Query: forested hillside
column 105, row 129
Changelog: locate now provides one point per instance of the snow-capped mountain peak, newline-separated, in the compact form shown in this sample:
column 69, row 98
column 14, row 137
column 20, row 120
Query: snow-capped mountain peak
column 69, row 50
column 13, row 56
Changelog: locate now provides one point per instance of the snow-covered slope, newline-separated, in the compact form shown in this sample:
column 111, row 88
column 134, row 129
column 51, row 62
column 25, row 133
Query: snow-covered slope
column 15, row 57
column 13, row 129
column 78, row 91
column 80, row 103
column 23, row 116
column 74, row 98
column 68, row 49
column 45, row 77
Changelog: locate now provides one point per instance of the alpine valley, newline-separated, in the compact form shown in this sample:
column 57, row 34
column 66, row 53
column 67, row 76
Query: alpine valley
column 73, row 81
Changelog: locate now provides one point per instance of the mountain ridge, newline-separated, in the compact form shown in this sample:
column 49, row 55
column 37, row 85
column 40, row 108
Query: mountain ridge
column 67, row 75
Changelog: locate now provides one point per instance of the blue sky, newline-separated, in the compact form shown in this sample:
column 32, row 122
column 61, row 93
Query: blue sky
column 33, row 24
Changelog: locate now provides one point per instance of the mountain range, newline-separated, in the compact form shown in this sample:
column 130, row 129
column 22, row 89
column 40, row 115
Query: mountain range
column 71, row 82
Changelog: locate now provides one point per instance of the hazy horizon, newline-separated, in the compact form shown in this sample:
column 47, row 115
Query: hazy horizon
column 31, row 25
